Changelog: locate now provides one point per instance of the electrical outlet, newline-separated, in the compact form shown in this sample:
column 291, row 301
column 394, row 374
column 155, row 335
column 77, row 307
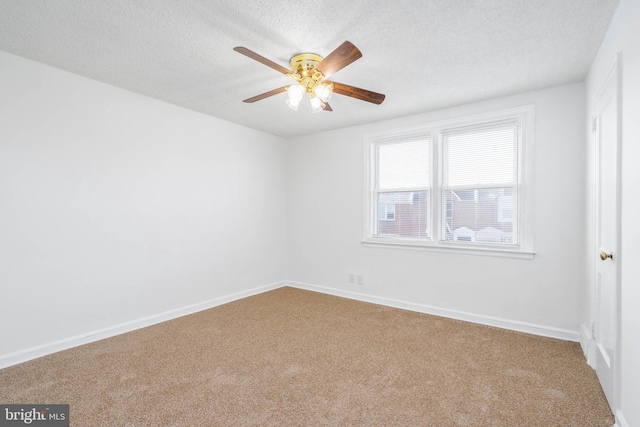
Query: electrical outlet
column 351, row 278
column 360, row 280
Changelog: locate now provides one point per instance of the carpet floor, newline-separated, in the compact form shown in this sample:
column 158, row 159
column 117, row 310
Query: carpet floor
column 292, row 357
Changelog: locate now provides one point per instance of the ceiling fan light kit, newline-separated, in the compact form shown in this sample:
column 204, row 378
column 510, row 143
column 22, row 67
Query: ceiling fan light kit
column 310, row 82
column 310, row 71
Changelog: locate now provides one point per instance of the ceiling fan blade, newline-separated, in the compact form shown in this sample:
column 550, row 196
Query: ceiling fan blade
column 261, row 59
column 327, row 107
column 356, row 92
column 342, row 56
column 266, row 94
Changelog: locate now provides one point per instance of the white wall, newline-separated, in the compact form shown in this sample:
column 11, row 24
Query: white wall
column 325, row 226
column 623, row 36
column 115, row 207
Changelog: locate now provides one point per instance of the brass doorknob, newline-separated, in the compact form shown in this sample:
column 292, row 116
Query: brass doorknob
column 604, row 255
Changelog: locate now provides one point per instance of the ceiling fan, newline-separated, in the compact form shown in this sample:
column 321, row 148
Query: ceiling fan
column 311, row 72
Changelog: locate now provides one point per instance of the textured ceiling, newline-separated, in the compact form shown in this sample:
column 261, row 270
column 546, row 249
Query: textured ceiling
column 423, row 54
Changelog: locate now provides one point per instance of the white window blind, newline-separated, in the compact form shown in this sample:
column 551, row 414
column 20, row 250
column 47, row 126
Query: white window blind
column 402, row 188
column 480, row 184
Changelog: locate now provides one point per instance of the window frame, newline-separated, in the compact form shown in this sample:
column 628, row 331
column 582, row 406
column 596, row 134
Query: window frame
column 435, row 130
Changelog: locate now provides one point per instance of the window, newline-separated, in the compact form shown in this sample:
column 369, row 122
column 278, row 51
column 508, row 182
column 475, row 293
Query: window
column 386, row 211
column 480, row 175
column 460, row 185
column 402, row 187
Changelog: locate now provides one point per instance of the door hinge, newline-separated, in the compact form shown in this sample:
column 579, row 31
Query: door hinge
column 594, row 124
column 593, row 330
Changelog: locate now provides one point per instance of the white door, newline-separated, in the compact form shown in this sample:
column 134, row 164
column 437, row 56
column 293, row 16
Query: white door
column 605, row 307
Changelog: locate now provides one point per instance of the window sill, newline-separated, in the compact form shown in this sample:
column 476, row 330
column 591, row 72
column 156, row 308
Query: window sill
column 450, row 248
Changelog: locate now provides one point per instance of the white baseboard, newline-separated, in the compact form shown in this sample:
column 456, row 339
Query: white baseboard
column 620, row 421
column 75, row 341
column 514, row 325
column 586, row 342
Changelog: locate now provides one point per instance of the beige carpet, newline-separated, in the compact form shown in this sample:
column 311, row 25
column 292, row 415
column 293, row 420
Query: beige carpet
column 297, row 358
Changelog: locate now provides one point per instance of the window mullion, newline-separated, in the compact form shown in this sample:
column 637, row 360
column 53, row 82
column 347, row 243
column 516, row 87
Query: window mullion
column 436, row 208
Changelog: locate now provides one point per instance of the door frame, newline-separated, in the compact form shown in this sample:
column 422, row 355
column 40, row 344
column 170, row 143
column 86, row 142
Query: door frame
column 615, row 71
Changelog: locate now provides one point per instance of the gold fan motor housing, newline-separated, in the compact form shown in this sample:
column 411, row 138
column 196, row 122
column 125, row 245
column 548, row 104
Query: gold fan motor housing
column 303, row 65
